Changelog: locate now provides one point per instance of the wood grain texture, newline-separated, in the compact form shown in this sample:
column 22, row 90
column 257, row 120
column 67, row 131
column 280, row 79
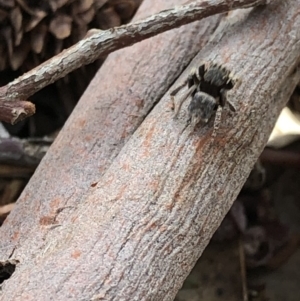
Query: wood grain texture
column 155, row 201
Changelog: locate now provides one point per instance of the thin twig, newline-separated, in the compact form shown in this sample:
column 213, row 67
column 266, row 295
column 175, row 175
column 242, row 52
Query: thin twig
column 99, row 43
column 243, row 270
column 279, row 157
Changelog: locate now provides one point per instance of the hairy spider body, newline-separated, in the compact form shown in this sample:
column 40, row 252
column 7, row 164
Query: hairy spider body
column 207, row 88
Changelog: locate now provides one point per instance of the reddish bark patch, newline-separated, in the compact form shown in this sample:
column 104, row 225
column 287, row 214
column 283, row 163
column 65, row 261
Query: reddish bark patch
column 16, row 235
column 81, row 122
column 139, row 103
column 153, row 185
column 76, row 254
column 89, row 138
column 148, row 138
column 74, row 219
column 47, row 220
column 125, row 166
column 121, row 191
column 54, row 204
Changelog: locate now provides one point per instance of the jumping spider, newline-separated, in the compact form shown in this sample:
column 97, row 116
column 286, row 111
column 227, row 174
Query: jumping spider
column 207, row 87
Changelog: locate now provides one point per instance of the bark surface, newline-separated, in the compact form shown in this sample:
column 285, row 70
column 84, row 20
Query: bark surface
column 113, row 217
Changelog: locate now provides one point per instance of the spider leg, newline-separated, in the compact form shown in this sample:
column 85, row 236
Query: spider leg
column 187, row 94
column 175, row 91
column 201, row 70
column 217, row 121
column 231, row 106
column 178, row 88
column 190, row 81
column 223, row 100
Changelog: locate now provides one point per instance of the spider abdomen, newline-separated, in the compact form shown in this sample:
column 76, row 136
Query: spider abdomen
column 201, row 107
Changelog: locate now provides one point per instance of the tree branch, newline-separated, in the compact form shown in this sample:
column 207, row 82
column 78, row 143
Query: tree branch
column 100, row 43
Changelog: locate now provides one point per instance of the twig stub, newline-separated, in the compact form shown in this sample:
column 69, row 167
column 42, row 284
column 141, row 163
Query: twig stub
column 13, row 112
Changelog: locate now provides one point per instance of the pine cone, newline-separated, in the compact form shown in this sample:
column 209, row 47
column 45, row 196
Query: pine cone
column 35, row 30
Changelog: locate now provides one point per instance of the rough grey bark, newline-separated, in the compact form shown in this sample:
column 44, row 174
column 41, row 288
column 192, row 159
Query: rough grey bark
column 151, row 209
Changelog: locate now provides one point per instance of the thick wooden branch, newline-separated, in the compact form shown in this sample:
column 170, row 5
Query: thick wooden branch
column 100, row 125
column 100, row 43
column 151, row 208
